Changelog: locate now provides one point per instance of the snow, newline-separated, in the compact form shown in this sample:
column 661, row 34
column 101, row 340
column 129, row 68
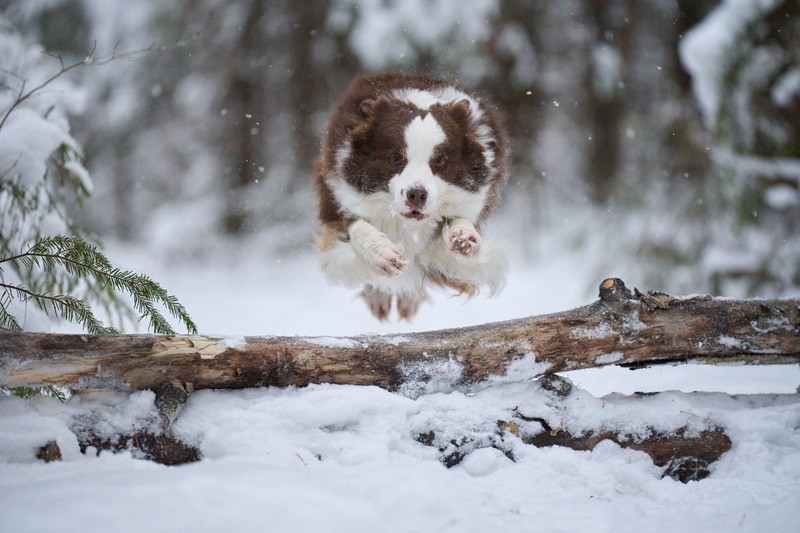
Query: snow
column 608, row 358
column 394, row 32
column 523, row 368
column 607, row 66
column 786, row 88
column 396, row 340
column 706, row 49
column 730, row 342
column 27, row 142
column 234, row 342
column 427, row 377
column 782, row 197
column 34, row 137
column 597, row 332
column 343, row 458
column 332, row 342
column 777, row 167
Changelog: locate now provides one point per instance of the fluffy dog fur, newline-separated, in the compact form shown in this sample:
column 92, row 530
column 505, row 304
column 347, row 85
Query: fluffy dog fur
column 410, row 167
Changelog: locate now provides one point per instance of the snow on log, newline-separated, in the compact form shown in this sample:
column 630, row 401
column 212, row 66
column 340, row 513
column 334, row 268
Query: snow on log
column 622, row 328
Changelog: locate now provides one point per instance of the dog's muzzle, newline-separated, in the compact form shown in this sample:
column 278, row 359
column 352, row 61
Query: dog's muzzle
column 416, row 197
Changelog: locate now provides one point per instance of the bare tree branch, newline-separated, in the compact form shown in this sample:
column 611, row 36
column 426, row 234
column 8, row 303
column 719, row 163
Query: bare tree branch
column 24, row 95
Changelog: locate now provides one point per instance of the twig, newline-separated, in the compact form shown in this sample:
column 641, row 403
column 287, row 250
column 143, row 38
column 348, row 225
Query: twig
column 88, row 60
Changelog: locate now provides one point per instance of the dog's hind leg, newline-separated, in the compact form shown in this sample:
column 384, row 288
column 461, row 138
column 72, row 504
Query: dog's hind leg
column 378, row 301
column 408, row 304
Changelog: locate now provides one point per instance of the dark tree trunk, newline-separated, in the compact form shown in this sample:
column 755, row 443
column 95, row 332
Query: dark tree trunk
column 247, row 108
column 306, row 78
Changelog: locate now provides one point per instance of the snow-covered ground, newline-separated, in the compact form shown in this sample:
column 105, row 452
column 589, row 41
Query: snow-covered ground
column 345, row 458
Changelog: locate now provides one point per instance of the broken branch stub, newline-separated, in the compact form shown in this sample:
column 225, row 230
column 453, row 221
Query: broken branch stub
column 621, row 328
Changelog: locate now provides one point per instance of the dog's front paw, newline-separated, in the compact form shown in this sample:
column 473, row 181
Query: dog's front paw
column 387, row 258
column 463, row 240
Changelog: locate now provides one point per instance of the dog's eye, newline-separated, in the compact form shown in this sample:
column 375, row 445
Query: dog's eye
column 440, row 161
column 397, row 159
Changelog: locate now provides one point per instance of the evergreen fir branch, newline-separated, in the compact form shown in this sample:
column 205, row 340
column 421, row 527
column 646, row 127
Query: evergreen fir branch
column 66, row 275
column 27, row 393
column 81, row 260
column 54, row 391
column 67, row 307
column 7, row 320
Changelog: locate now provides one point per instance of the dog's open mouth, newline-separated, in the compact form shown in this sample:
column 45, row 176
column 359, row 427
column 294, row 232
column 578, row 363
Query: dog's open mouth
column 416, row 215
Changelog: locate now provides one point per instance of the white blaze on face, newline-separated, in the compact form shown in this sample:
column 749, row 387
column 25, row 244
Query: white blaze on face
column 450, row 95
column 422, row 136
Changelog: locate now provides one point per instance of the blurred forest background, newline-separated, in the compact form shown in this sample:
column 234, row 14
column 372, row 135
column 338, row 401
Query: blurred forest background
column 663, row 135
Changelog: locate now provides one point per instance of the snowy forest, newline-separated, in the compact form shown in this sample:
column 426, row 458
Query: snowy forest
column 656, row 141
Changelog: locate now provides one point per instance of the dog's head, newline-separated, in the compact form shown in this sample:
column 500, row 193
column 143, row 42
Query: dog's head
column 420, row 164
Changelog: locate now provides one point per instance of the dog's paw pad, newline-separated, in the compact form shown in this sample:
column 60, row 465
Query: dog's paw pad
column 464, row 241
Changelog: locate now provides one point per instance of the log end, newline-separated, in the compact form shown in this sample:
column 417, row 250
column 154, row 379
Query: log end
column 614, row 290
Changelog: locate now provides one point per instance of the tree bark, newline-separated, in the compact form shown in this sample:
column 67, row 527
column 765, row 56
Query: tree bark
column 621, row 328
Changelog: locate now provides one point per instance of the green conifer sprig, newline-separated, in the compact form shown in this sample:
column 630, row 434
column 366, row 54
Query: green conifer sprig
column 56, row 267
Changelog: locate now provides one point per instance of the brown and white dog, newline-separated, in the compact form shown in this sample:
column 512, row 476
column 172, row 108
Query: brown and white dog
column 410, row 167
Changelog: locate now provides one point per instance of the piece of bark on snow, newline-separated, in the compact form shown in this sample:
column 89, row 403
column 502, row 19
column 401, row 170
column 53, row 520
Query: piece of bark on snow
column 162, row 448
column 49, row 452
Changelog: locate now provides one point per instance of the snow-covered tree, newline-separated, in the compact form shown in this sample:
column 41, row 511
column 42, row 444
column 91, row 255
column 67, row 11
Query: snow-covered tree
column 214, row 133
column 44, row 258
column 744, row 59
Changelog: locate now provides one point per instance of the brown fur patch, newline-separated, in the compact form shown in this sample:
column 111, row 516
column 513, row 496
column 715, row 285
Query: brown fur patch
column 462, row 288
column 331, row 233
column 460, row 159
column 378, row 145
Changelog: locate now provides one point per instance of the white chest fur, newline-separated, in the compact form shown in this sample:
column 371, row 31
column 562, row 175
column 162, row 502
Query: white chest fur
column 411, row 235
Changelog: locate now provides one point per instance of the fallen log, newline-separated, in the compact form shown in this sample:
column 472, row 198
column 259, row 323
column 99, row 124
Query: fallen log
column 621, row 328
column 683, row 453
column 547, row 412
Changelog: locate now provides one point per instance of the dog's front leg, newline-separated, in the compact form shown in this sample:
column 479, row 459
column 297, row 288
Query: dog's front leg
column 354, row 254
column 377, row 249
column 461, row 237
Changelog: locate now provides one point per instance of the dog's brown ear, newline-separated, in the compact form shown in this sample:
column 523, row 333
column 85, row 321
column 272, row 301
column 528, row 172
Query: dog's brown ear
column 461, row 111
column 371, row 106
column 366, row 106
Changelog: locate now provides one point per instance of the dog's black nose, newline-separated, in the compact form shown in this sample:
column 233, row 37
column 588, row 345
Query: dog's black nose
column 416, row 196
